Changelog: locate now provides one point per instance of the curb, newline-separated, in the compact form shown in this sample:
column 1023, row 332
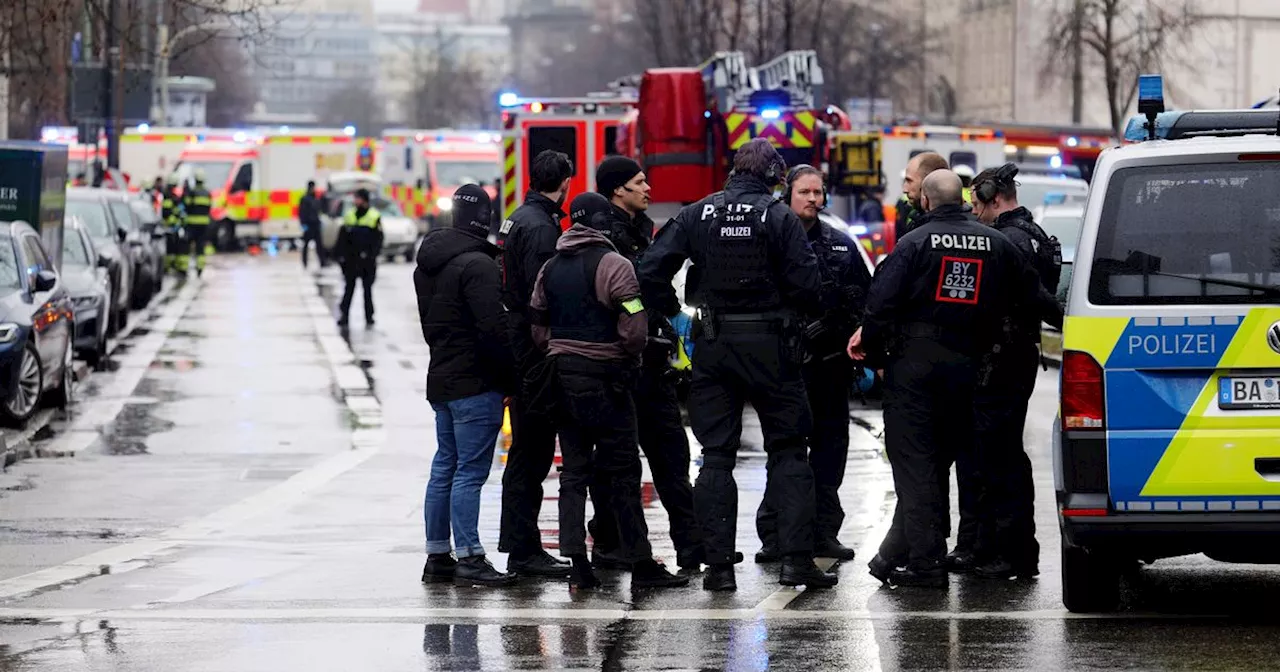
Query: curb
column 353, row 386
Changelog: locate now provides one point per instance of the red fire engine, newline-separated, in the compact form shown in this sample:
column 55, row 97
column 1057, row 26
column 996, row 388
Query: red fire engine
column 1057, row 147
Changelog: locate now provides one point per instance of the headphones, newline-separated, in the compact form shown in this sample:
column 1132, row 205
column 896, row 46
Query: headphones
column 809, row 170
column 773, row 175
column 1002, row 179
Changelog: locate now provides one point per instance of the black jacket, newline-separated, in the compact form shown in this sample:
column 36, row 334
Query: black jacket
column 1026, row 325
column 686, row 235
column 845, row 281
column 528, row 240
column 309, row 210
column 463, row 320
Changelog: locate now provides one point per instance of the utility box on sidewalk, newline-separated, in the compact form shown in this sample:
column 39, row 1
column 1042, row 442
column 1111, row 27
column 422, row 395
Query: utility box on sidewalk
column 33, row 189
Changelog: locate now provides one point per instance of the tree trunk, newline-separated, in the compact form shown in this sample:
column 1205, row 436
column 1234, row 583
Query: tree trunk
column 1077, row 63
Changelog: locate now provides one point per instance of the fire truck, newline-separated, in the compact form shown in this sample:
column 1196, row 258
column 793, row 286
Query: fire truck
column 1065, row 148
column 424, row 167
column 256, row 185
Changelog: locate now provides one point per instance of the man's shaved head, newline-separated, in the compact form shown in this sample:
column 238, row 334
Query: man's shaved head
column 942, row 187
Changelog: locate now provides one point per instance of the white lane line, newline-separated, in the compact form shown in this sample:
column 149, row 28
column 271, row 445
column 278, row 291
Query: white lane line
column 417, row 615
column 276, row 498
column 779, row 600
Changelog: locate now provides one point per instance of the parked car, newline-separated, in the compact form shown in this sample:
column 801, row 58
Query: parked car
column 153, row 236
column 142, row 253
column 85, row 274
column 1064, row 223
column 91, row 207
column 36, row 326
column 399, row 232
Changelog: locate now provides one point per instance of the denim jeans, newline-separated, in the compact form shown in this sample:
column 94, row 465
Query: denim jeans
column 466, row 432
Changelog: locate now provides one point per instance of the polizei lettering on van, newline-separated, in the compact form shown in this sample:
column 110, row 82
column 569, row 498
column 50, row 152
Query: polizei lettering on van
column 1173, row 344
column 957, row 241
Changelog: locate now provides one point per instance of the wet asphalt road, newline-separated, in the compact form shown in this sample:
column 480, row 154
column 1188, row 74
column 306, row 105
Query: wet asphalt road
column 226, row 509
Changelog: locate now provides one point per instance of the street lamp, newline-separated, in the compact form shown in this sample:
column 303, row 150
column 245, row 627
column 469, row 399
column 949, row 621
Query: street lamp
column 162, row 57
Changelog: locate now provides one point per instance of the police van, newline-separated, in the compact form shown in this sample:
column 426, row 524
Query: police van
column 1168, row 437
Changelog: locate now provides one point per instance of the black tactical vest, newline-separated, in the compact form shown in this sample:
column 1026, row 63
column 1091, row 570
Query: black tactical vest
column 573, row 311
column 737, row 276
column 1047, row 259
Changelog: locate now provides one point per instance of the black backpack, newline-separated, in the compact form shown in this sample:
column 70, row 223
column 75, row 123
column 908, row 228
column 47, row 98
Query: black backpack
column 1048, row 254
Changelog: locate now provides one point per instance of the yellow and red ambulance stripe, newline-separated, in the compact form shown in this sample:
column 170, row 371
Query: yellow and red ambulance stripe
column 508, row 176
column 412, row 200
column 791, row 130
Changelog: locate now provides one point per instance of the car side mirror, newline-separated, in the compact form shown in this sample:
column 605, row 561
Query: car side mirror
column 103, row 262
column 46, row 280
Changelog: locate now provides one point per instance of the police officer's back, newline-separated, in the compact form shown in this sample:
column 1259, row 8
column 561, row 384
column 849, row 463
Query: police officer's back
column 937, row 303
column 359, row 244
column 752, row 273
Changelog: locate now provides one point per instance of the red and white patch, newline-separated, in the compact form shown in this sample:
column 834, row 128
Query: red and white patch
column 959, row 280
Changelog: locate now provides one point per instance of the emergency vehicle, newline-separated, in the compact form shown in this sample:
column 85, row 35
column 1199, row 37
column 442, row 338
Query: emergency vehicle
column 80, row 155
column 256, row 185
column 1166, row 441
column 148, row 152
column 976, row 147
column 1070, row 148
column 424, row 167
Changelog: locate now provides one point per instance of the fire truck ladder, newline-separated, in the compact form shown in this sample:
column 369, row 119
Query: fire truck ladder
column 797, row 73
column 727, row 76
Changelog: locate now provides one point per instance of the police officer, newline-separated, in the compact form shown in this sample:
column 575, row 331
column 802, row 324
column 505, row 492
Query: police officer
column 359, row 244
column 197, row 205
column 753, row 273
column 529, row 240
column 827, row 372
column 937, row 303
column 662, row 435
column 309, row 209
column 175, row 235
column 909, row 208
column 1006, row 544
column 588, row 316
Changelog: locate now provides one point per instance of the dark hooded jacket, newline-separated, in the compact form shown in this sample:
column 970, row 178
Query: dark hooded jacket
column 463, row 320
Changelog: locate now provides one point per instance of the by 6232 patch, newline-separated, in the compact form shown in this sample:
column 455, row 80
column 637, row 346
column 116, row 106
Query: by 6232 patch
column 959, row 280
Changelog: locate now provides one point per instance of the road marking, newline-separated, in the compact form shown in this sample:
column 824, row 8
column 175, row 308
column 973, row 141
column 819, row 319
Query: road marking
column 125, row 557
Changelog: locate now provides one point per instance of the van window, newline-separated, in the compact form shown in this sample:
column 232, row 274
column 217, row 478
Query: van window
column 1168, row 232
column 964, row 159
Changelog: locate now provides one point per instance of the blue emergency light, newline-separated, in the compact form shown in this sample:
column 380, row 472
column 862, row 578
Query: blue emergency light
column 1150, row 100
column 508, row 99
column 770, row 113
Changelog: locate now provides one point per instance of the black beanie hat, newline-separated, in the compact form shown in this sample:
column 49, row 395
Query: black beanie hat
column 472, row 210
column 614, row 172
column 590, row 210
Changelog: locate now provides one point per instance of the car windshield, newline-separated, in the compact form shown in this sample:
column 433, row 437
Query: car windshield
column 1189, row 234
column 458, row 173
column 1066, row 228
column 387, row 207
column 92, row 214
column 124, row 215
column 145, row 212
column 10, row 280
column 216, row 173
column 73, row 249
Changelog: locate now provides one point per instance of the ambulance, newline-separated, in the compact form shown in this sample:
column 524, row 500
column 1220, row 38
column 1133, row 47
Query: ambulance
column 148, row 152
column 424, row 167
column 1167, row 441
column 256, row 185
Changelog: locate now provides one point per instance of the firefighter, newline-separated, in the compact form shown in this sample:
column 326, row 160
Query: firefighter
column 588, row 316
column 171, row 217
column 1006, row 545
column 909, row 210
column 828, row 375
column 937, row 304
column 357, row 250
column 197, row 206
column 965, row 173
column 753, row 273
column 662, row 435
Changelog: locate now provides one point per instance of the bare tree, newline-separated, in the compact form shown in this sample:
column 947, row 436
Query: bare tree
column 448, row 92
column 225, row 62
column 1118, row 38
column 351, row 105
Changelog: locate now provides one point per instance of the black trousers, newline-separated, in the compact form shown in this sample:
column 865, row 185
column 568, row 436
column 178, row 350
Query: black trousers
column 1007, row 501
column 365, row 271
column 529, row 460
column 311, row 236
column 928, row 419
column 747, row 363
column 827, row 384
column 666, row 447
column 598, row 442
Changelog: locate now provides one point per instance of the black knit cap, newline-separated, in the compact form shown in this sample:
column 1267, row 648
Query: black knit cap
column 615, row 172
column 472, row 210
column 590, row 210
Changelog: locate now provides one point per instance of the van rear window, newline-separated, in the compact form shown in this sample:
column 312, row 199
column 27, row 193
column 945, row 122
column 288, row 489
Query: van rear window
column 1189, row 234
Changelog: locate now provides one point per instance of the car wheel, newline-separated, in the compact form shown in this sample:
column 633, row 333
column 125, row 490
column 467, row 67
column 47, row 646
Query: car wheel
column 158, row 285
column 122, row 319
column 1090, row 580
column 64, row 393
column 21, row 401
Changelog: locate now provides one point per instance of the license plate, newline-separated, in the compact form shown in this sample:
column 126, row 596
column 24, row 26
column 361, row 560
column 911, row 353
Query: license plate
column 1249, row 392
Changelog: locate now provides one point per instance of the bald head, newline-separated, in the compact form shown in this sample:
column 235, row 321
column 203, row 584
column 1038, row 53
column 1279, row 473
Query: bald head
column 941, row 187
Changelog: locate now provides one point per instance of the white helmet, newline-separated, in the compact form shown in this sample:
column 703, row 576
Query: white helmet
column 964, row 170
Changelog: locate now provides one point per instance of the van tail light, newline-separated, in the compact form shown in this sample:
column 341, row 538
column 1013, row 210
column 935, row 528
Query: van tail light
column 1082, row 392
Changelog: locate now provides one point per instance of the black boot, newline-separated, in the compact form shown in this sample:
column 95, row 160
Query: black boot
column 880, row 568
column 768, row 554
column 959, row 561
column 932, row 577
column 439, row 568
column 540, row 563
column 609, row 560
column 1000, row 569
column 476, row 571
column 719, row 578
column 691, row 561
column 649, row 574
column 832, row 548
column 580, row 574
column 799, row 570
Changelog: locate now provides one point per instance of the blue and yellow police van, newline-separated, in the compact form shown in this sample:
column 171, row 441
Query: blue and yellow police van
column 1168, row 436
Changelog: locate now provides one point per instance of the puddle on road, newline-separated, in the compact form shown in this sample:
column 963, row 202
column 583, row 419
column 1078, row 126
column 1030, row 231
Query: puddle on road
column 174, row 363
column 127, row 434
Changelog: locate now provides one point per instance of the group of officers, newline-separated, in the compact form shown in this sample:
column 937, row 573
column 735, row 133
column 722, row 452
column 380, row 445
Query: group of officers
column 188, row 218
column 787, row 311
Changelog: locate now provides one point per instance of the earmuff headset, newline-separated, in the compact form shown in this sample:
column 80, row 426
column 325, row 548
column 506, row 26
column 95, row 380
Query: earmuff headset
column 794, row 173
column 987, row 190
column 773, row 175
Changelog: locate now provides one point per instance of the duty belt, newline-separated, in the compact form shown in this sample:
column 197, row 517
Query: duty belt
column 924, row 330
column 770, row 322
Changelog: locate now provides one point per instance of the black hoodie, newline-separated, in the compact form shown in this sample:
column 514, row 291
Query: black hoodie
column 463, row 321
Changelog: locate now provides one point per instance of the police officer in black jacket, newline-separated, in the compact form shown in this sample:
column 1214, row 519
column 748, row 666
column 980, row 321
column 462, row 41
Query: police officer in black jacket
column 1006, row 544
column 662, row 435
column 528, row 240
column 936, row 306
column 827, row 371
column 753, row 273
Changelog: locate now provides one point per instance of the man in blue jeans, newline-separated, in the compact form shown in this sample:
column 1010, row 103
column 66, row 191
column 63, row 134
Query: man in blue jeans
column 465, row 325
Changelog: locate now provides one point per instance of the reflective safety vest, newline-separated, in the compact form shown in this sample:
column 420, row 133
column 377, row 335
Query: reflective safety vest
column 372, row 218
column 967, row 192
column 169, row 208
column 198, row 204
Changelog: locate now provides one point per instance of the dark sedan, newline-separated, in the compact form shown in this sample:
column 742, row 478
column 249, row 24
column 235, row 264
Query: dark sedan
column 84, row 272
column 90, row 206
column 36, row 326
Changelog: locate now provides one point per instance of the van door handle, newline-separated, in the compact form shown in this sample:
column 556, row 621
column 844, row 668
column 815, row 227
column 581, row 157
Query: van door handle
column 1267, row 467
